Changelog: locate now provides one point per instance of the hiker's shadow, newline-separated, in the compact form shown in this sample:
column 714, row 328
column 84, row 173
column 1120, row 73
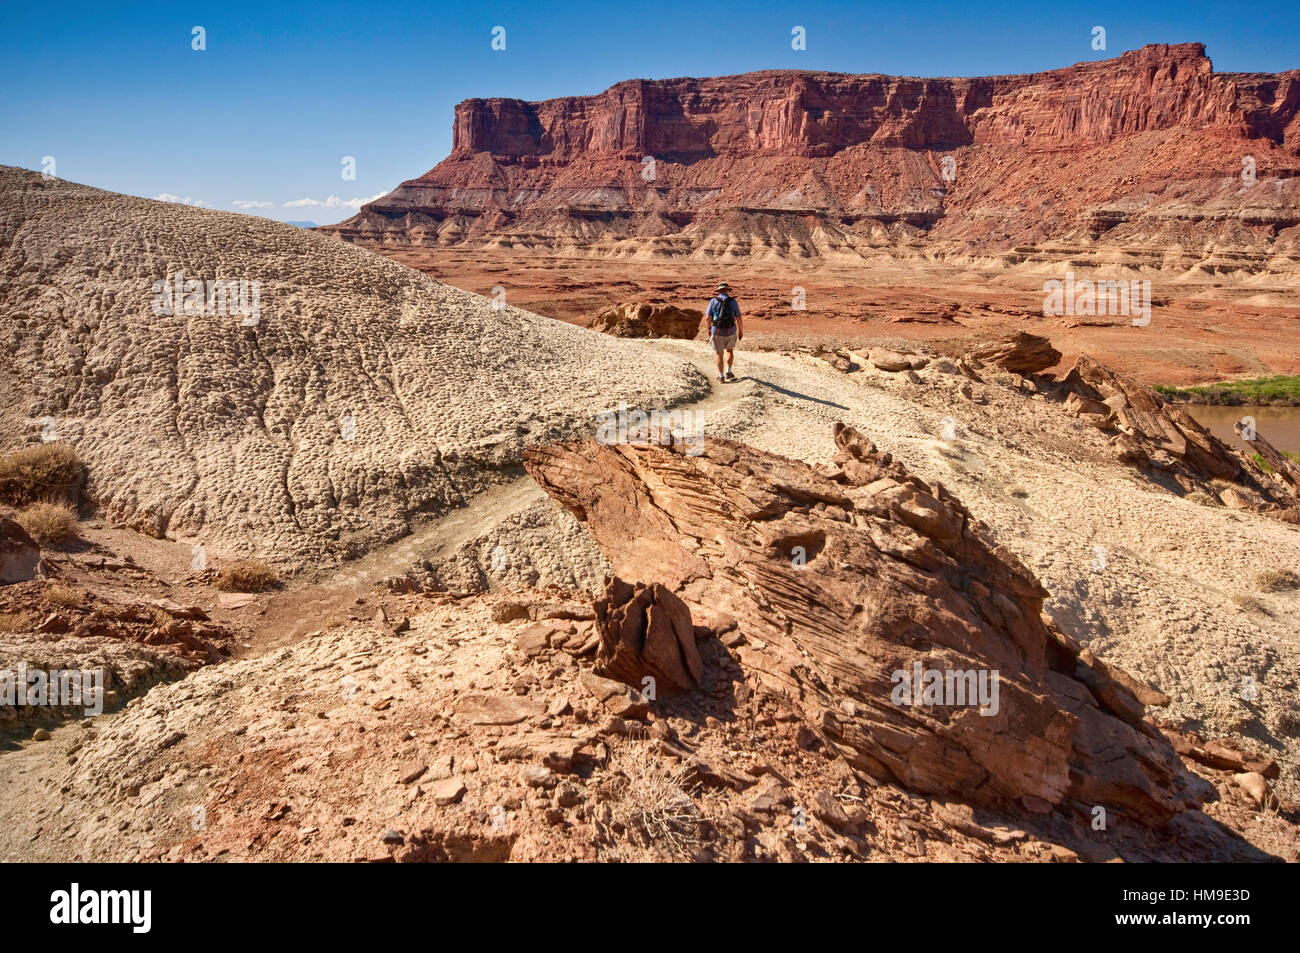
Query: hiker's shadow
column 791, row 393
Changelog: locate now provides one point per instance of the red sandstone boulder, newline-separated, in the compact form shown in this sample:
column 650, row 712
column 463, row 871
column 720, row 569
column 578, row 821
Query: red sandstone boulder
column 646, row 631
column 1021, row 353
column 646, row 320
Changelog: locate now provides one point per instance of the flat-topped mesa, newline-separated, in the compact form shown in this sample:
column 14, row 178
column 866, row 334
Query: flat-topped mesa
column 1146, row 152
column 787, row 112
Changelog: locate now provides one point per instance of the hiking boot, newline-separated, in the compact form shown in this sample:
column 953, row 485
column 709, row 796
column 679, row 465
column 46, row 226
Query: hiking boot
column 730, row 375
column 722, row 378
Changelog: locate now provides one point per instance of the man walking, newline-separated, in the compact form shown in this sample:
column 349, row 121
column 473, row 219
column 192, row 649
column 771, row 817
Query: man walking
column 725, row 329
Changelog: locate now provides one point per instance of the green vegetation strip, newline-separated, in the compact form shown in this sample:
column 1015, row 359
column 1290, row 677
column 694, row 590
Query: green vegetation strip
column 1280, row 390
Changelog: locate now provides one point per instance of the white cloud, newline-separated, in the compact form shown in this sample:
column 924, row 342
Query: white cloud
column 245, row 204
column 332, row 202
column 196, row 203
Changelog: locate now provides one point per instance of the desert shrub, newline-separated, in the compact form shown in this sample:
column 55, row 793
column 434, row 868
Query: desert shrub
column 1287, row 724
column 1280, row 389
column 247, row 575
column 1019, row 492
column 1201, row 497
column 14, row 621
column 1248, row 603
column 1276, row 580
column 48, row 473
column 652, row 809
column 58, row 594
column 49, row 522
column 1262, row 464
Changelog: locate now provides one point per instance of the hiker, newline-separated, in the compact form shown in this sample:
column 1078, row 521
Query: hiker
column 725, row 328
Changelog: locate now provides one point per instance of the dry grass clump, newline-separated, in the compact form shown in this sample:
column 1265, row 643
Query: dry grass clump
column 1248, row 603
column 48, row 473
column 49, row 522
column 651, row 807
column 1277, row 580
column 247, row 575
column 14, row 622
column 1286, row 723
column 58, row 594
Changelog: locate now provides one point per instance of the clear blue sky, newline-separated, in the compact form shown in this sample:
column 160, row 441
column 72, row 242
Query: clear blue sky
column 283, row 91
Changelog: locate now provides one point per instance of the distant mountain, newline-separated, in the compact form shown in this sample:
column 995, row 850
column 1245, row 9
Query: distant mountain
column 1151, row 156
column 302, row 224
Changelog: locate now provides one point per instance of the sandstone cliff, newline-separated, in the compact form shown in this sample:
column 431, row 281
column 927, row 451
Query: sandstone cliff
column 1143, row 150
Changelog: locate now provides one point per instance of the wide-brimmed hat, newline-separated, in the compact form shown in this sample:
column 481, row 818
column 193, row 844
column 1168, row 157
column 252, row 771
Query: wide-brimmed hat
column 723, row 286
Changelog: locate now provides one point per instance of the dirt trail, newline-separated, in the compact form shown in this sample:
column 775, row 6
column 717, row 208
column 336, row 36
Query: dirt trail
column 439, row 538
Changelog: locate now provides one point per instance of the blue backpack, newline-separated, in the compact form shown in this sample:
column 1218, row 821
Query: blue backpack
column 723, row 311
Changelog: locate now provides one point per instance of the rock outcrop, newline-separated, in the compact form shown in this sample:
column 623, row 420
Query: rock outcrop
column 1153, row 435
column 842, row 166
column 1020, row 353
column 19, row 553
column 908, row 640
column 640, row 319
column 1283, row 467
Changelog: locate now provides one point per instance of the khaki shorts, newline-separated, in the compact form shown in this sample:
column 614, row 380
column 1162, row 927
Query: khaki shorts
column 724, row 342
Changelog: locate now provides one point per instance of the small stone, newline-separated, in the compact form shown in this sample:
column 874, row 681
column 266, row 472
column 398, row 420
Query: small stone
column 448, row 792
column 828, row 810
column 1256, row 788
column 1036, row 805
column 568, row 795
column 411, row 771
column 402, row 625
column 534, row 640
column 442, row 768
column 392, row 837
column 40, row 735
column 538, row 776
column 509, row 611
column 614, row 726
